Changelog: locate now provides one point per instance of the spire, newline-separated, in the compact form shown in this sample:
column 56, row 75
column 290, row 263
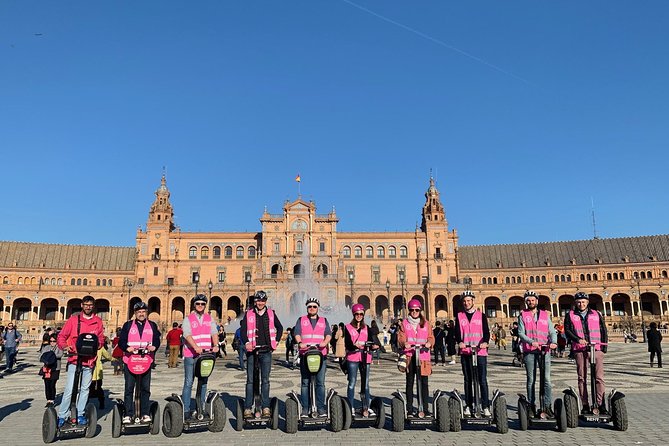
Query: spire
column 433, row 210
column 161, row 212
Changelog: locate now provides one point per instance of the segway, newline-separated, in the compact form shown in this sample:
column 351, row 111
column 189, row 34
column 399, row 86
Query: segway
column 257, row 420
column 498, row 415
column 528, row 417
column 86, row 346
column 334, row 417
column 138, row 364
column 617, row 412
column 399, row 406
column 364, row 416
column 211, row 416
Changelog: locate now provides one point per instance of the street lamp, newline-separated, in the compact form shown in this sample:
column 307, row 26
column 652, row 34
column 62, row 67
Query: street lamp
column 643, row 323
column 117, row 313
column 388, row 294
column 126, row 282
column 351, row 276
column 247, row 279
column 404, row 303
column 210, row 286
column 196, row 280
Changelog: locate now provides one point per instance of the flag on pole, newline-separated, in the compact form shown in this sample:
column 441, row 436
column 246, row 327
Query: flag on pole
column 298, row 178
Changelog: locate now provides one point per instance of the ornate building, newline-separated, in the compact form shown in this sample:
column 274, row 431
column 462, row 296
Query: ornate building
column 300, row 252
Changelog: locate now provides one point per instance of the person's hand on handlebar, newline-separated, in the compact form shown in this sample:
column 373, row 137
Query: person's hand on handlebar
column 582, row 342
column 462, row 345
column 553, row 346
column 248, row 346
column 215, row 349
column 483, row 345
column 536, row 344
column 323, row 344
column 150, row 348
column 198, row 350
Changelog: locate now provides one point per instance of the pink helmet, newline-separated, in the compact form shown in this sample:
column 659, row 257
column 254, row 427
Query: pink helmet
column 357, row 307
column 415, row 303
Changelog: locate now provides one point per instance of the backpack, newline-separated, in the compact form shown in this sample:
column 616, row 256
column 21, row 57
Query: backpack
column 87, row 343
column 235, row 343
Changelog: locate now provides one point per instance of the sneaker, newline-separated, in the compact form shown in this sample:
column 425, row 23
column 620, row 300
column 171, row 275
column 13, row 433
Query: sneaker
column 304, row 414
column 486, row 412
column 146, row 418
column 451, row 363
column 602, row 410
column 61, row 422
column 585, row 410
column 322, row 414
column 371, row 413
column 248, row 413
column 126, row 420
column 467, row 412
column 82, row 421
column 550, row 413
column 266, row 413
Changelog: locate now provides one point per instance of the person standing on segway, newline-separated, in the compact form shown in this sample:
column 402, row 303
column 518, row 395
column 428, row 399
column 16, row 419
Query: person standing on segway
column 356, row 335
column 84, row 322
column 200, row 334
column 136, row 334
column 582, row 326
column 535, row 330
column 414, row 331
column 471, row 328
column 312, row 330
column 259, row 327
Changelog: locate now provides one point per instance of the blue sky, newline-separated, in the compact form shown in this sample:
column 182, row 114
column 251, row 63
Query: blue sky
column 526, row 111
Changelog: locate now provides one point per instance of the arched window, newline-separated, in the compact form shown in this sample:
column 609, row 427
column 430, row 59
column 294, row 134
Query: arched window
column 392, row 252
column 97, row 282
column 494, row 280
column 192, row 252
column 582, row 276
column 358, row 251
column 556, row 278
column 252, row 252
column 5, row 280
column 483, row 281
column 615, row 276
column 543, row 279
column 664, row 273
column 588, row 277
column 568, row 277
column 72, row 281
column 380, row 252
column 369, row 252
column 217, row 252
column 649, row 274
column 104, row 282
column 204, row 252
column 85, row 282
column 78, row 281
column 608, row 276
column 299, row 246
column 622, row 276
column 404, row 252
column 489, row 280
column 346, row 252
column 519, row 279
column 20, row 281
column 109, row 282
column 228, row 252
column 240, row 252
column 507, row 279
column 60, row 281
column 643, row 274
column 594, row 276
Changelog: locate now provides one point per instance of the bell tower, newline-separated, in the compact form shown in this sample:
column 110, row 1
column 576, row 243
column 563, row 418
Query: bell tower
column 161, row 214
column 434, row 216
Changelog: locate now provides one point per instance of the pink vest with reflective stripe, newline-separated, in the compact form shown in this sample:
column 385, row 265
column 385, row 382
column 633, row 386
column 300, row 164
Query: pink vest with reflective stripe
column 592, row 317
column 535, row 330
column 416, row 337
column 138, row 364
column 200, row 332
column 251, row 331
column 359, row 339
column 311, row 335
column 472, row 332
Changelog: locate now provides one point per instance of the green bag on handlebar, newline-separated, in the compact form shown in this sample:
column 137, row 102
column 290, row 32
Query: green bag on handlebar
column 313, row 361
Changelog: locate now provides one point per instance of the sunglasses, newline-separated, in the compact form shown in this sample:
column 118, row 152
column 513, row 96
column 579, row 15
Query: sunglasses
column 53, row 340
column 312, row 306
column 414, row 310
column 358, row 314
column 200, row 303
column 261, row 300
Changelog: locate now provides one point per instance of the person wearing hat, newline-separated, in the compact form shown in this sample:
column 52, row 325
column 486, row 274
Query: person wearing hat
column 582, row 326
column 312, row 330
column 356, row 335
column 259, row 327
column 200, row 334
column 135, row 334
column 471, row 328
column 79, row 323
column 416, row 330
column 535, row 329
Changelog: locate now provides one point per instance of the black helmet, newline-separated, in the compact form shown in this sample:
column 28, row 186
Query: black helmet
column 200, row 298
column 581, row 295
column 140, row 306
column 260, row 295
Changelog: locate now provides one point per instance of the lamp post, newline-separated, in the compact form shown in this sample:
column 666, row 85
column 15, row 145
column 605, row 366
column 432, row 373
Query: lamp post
column 210, row 286
column 126, row 282
column 388, row 294
column 247, row 279
column 351, row 276
column 196, row 280
column 637, row 280
column 404, row 303
column 117, row 313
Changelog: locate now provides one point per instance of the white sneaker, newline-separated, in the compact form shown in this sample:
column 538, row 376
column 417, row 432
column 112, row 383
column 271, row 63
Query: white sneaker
column 452, row 362
column 486, row 412
column 146, row 418
column 126, row 420
column 467, row 412
column 371, row 413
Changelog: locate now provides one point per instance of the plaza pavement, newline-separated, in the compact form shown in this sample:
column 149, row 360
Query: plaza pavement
column 647, row 390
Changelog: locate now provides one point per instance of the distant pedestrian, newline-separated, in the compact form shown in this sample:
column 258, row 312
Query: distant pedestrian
column 439, row 344
column 340, row 346
column 12, row 339
column 173, row 339
column 654, row 338
column 96, row 390
column 239, row 348
column 450, row 341
column 50, row 356
column 501, row 338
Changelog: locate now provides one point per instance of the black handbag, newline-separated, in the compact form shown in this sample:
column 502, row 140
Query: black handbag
column 87, row 343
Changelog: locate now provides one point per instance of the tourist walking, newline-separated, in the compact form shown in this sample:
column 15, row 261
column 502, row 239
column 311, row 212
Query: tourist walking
column 11, row 340
column 654, row 338
column 50, row 355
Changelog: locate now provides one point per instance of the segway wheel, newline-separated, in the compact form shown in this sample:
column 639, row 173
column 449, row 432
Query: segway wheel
column 397, row 414
column 291, row 416
column 380, row 409
column 49, row 425
column 274, row 406
column 454, row 410
column 571, row 410
column 92, row 416
column 239, row 423
column 219, row 415
column 336, row 415
column 501, row 416
column 155, row 418
column 522, row 415
column 560, row 415
column 443, row 415
column 619, row 414
column 346, row 410
column 116, row 422
column 173, row 421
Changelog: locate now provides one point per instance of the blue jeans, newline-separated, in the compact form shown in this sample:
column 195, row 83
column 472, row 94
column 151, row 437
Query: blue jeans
column 242, row 354
column 82, row 396
column 531, row 365
column 467, row 371
column 320, row 386
column 10, row 356
column 265, row 362
column 352, row 379
column 189, row 364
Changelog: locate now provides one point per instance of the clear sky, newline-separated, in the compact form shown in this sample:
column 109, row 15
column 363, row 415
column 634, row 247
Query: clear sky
column 526, row 111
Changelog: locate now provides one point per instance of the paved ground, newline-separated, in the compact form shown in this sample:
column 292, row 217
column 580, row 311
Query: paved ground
column 647, row 390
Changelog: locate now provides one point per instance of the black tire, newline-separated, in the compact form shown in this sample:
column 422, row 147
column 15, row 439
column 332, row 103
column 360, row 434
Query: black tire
column 274, row 406
column 239, row 422
column 336, row 415
column 501, row 415
column 380, row 409
column 155, row 418
column 560, row 415
column 92, row 415
column 456, row 416
column 291, row 416
column 173, row 422
column 116, row 422
column 346, row 412
column 522, row 416
column 219, row 415
column 443, row 415
column 397, row 414
column 571, row 410
column 619, row 414
column 49, row 425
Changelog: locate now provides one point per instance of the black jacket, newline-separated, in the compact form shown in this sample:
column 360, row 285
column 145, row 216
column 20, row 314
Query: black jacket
column 262, row 327
column 571, row 335
column 123, row 337
column 654, row 338
column 484, row 323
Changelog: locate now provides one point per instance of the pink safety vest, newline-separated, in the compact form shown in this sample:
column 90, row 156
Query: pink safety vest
column 535, row 330
column 201, row 333
column 416, row 337
column 592, row 318
column 251, row 331
column 311, row 335
column 359, row 339
column 138, row 364
column 472, row 332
